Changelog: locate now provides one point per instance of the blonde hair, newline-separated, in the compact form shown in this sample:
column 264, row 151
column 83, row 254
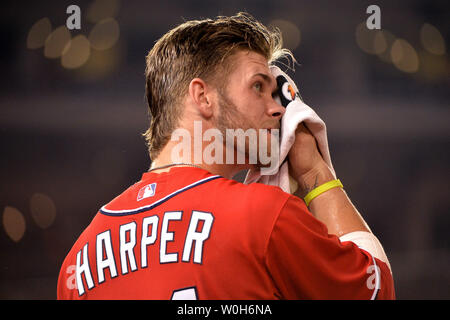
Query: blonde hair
column 194, row 49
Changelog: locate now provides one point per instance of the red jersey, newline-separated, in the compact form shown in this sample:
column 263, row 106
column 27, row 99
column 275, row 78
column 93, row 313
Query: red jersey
column 187, row 234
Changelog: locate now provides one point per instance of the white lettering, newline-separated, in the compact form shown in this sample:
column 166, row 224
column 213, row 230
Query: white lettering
column 373, row 21
column 167, row 236
column 104, row 246
column 181, row 152
column 126, row 247
column 198, row 237
column 83, row 268
column 213, row 152
column 146, row 239
column 74, row 20
column 71, row 281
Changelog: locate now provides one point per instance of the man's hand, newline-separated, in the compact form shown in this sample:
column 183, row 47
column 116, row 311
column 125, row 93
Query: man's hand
column 309, row 170
column 333, row 207
column 306, row 164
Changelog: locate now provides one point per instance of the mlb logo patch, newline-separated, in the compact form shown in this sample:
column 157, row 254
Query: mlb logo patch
column 146, row 191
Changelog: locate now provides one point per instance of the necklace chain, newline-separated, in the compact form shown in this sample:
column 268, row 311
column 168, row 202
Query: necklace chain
column 175, row 164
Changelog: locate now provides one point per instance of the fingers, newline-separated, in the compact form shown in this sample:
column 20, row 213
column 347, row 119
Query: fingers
column 302, row 128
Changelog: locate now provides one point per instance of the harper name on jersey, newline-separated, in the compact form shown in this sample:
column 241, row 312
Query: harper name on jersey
column 197, row 233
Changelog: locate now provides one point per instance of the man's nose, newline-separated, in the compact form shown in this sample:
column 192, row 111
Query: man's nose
column 275, row 110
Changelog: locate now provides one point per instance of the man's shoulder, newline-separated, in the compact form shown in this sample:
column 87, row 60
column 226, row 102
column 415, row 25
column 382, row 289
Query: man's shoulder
column 257, row 189
column 255, row 196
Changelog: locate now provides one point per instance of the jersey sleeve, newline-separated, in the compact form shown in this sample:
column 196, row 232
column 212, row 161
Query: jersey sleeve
column 306, row 262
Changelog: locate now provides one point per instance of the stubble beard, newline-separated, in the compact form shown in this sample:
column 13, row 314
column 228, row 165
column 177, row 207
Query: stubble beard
column 230, row 117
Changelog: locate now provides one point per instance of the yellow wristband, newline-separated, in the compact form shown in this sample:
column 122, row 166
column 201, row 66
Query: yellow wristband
column 321, row 189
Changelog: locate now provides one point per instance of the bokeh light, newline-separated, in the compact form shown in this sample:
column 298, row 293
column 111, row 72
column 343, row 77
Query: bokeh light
column 404, row 56
column 76, row 52
column 38, row 33
column 102, row 9
column 388, row 39
column 433, row 67
column 379, row 42
column 56, row 42
column 13, row 223
column 104, row 34
column 370, row 41
column 43, row 210
column 290, row 32
column 100, row 64
column 432, row 40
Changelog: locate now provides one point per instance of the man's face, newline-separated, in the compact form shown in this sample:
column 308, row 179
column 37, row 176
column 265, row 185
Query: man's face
column 247, row 101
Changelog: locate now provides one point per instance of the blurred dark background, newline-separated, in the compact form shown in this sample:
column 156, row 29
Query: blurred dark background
column 72, row 112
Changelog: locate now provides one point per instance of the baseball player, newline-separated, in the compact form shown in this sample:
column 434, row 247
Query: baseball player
column 186, row 230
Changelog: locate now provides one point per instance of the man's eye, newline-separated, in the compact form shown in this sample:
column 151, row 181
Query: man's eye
column 258, row 86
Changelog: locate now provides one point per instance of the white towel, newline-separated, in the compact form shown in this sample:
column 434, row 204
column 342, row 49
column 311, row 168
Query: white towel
column 296, row 112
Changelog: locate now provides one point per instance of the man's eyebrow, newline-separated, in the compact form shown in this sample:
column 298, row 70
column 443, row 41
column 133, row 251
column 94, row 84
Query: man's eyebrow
column 268, row 80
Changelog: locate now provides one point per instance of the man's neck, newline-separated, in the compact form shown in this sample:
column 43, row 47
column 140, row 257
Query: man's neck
column 165, row 159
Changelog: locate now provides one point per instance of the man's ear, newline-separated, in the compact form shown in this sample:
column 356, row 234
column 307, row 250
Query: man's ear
column 200, row 94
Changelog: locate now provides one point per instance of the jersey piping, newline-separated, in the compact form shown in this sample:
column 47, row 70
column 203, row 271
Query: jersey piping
column 126, row 212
